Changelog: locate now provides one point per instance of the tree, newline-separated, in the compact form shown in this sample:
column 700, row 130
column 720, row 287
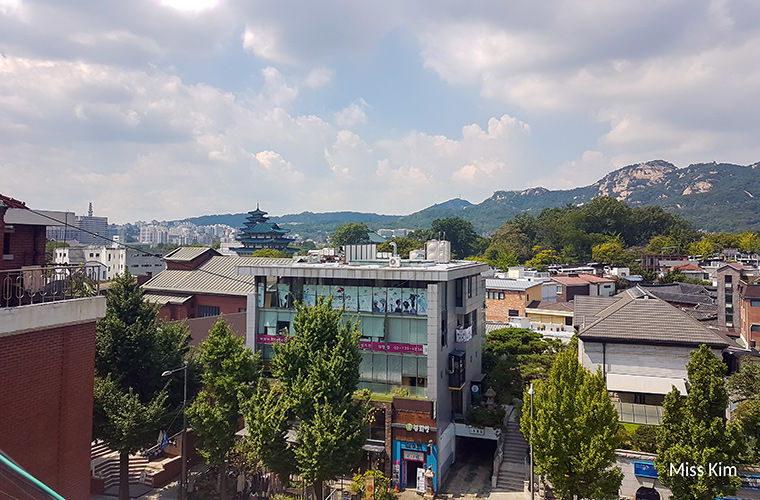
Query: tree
column 229, row 373
column 573, row 431
column 271, row 253
column 404, row 246
column 500, row 256
column 382, row 484
column 661, row 244
column 511, row 235
column 132, row 351
column 542, row 259
column 694, row 432
column 459, row 232
column 350, row 234
column 744, row 390
column 317, row 372
column 611, row 253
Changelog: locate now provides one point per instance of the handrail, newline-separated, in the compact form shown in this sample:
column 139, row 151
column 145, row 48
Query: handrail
column 41, row 284
column 24, row 474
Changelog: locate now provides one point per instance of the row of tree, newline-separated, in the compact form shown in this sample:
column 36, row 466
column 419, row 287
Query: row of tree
column 574, row 430
column 605, row 229
column 316, row 374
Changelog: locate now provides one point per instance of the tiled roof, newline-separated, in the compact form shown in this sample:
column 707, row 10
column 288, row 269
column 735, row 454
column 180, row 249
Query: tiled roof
column 570, row 280
column 638, row 318
column 186, row 254
column 586, row 307
column 551, row 306
column 689, row 267
column 683, row 293
column 11, row 202
column 510, row 284
column 495, row 325
column 216, row 275
column 749, row 291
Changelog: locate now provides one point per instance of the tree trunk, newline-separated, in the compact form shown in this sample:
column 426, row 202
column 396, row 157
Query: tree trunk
column 223, row 478
column 319, row 490
column 123, row 475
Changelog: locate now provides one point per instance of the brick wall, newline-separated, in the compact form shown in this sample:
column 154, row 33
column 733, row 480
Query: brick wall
column 46, row 385
column 498, row 309
column 749, row 316
column 27, row 245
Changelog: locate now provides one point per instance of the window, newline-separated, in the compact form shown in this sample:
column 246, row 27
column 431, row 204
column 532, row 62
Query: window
column 444, row 332
column 459, row 292
column 514, row 312
column 639, row 398
column 204, row 311
column 7, row 244
column 501, row 295
column 568, row 321
column 470, row 282
column 754, row 302
column 559, row 289
column 754, row 328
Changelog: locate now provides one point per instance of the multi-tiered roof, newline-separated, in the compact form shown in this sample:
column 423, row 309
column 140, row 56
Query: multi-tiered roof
column 258, row 234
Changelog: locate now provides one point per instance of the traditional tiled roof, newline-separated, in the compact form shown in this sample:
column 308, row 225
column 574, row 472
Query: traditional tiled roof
column 186, row 254
column 215, row 276
column 586, row 308
column 641, row 318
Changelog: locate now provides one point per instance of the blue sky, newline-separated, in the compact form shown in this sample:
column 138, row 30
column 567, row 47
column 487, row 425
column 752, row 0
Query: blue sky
column 168, row 109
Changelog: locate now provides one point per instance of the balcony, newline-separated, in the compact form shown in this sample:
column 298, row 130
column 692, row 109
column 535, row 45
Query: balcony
column 38, row 285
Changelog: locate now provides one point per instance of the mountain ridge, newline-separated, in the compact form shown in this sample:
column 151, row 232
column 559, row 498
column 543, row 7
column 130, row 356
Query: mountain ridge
column 712, row 196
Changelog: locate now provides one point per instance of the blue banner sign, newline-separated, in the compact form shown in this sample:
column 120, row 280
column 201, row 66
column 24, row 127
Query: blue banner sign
column 645, row 469
column 750, row 482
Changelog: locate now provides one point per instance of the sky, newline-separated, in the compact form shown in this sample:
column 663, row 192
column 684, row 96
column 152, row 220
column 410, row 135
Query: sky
column 166, row 109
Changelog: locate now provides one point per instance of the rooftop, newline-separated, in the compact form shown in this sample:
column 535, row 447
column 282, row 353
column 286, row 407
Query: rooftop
column 510, row 284
column 186, row 254
column 216, row 275
column 637, row 317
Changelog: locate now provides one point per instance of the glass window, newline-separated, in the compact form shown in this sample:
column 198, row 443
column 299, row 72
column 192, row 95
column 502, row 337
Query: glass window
column 754, row 302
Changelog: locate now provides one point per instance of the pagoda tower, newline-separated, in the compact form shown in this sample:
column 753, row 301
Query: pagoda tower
column 259, row 233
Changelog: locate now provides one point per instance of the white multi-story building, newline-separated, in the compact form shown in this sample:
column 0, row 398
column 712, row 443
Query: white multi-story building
column 111, row 260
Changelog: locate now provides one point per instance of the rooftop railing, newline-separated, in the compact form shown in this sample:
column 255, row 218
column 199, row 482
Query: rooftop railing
column 42, row 284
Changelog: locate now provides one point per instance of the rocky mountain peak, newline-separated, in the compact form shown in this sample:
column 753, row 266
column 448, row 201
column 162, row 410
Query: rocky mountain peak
column 622, row 183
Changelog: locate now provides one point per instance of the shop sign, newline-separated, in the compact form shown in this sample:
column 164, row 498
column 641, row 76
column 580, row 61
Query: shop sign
column 421, row 480
column 645, row 469
column 477, row 431
column 750, row 482
column 417, row 428
column 269, row 339
column 393, row 347
column 414, row 455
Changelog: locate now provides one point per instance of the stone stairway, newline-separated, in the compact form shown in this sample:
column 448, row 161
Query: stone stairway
column 105, row 464
column 512, row 471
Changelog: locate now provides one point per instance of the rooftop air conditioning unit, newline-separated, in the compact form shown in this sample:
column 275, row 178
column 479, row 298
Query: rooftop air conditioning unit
column 394, row 261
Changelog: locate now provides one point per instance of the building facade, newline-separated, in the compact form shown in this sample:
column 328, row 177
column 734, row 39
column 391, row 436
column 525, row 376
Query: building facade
column 423, row 332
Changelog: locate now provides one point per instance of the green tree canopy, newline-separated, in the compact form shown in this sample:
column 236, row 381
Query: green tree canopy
column 271, row 253
column 230, row 371
column 350, row 234
column 317, row 372
column 132, row 351
column 573, row 431
column 695, row 432
column 459, row 232
column 744, row 390
column 404, row 245
column 611, row 253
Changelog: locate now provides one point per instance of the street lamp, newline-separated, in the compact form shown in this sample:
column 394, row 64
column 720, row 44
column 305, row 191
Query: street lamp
column 532, row 487
column 183, row 477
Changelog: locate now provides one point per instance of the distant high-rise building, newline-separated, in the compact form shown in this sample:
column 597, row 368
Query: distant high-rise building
column 92, row 230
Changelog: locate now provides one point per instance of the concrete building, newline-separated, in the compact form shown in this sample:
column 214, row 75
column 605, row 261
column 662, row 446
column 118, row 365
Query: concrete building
column 642, row 345
column 110, row 260
column 92, row 230
column 47, row 357
column 423, row 332
column 582, row 284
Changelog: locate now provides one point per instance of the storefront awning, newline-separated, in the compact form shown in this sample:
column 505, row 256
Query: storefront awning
column 644, row 384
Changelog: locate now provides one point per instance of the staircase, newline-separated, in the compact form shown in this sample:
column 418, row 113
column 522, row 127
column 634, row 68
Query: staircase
column 513, row 468
column 104, row 463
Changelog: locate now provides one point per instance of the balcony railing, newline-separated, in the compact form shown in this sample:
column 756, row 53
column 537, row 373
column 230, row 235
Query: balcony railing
column 38, row 284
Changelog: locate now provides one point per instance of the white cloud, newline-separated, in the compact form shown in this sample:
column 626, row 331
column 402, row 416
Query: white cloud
column 319, row 77
column 353, row 114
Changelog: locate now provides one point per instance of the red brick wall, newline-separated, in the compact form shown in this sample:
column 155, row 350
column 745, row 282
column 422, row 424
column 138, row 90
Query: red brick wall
column 27, row 245
column 228, row 304
column 498, row 310
column 46, row 384
column 749, row 316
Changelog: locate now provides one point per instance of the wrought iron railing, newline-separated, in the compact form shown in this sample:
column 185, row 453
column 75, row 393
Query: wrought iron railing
column 38, row 284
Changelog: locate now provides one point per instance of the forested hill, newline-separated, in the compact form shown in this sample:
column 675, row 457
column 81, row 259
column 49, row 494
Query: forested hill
column 712, row 196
